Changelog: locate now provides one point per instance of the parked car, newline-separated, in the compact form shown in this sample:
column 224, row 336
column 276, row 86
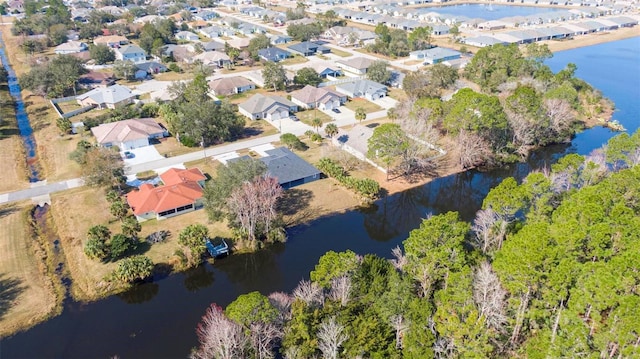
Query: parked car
column 293, row 118
column 128, row 154
column 335, row 110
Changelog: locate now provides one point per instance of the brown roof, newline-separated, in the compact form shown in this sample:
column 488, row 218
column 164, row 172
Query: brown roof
column 109, row 39
column 181, row 189
column 126, row 130
column 310, row 94
column 226, row 85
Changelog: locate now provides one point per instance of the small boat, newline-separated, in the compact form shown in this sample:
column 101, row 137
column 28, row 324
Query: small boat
column 217, row 249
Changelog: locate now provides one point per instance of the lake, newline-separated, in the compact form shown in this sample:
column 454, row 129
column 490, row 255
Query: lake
column 158, row 320
column 490, row 11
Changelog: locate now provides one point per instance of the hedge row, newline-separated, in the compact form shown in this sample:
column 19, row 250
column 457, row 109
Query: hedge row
column 366, row 187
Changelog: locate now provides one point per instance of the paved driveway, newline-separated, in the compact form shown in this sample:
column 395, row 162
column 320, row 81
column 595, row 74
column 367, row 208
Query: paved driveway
column 386, row 102
column 141, row 155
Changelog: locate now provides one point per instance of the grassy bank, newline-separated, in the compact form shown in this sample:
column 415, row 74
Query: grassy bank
column 14, row 170
column 27, row 294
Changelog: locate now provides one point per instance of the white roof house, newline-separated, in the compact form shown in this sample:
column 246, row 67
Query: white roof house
column 363, row 88
column 267, row 107
column 131, row 53
column 107, row 97
column 71, row 47
column 128, row 134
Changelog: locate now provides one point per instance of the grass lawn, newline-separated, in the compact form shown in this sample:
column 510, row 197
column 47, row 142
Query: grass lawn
column 14, row 173
column 240, row 68
column 173, row 76
column 341, row 53
column 68, row 106
column 27, row 294
column 368, row 106
column 397, row 94
column 308, row 115
column 170, row 147
column 297, row 59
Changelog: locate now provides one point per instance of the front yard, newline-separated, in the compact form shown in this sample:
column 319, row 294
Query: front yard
column 368, row 106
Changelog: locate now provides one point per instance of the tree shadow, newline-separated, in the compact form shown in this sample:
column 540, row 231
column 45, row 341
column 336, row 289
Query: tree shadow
column 296, row 203
column 10, row 289
column 7, row 210
column 198, row 278
column 140, row 293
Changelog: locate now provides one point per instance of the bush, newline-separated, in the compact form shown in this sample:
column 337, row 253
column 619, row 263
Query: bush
column 97, row 249
column 292, row 142
column 120, row 244
column 188, row 141
column 174, row 67
column 134, row 268
column 316, row 137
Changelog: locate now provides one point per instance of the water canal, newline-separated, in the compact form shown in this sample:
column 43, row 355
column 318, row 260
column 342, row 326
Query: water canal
column 158, row 320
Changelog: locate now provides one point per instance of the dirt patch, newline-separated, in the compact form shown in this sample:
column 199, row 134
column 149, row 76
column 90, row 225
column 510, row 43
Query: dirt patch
column 26, row 294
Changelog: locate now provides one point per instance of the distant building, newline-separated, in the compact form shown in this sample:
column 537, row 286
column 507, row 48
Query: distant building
column 71, row 47
column 435, row 55
column 131, row 53
column 230, row 85
column 308, row 48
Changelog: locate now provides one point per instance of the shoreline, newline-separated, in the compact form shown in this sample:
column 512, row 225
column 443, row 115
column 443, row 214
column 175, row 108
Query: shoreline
column 592, row 39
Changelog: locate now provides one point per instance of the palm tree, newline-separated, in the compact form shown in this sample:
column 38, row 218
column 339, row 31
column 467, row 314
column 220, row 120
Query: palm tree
column 361, row 115
column 392, row 114
column 316, row 123
column 308, row 133
column 331, row 129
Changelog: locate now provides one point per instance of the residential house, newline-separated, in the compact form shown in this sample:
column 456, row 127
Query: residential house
column 267, row 107
column 128, row 134
column 107, row 97
column 211, row 32
column 273, row 54
column 435, row 55
column 363, row 88
column 151, row 67
column 131, row 53
column 325, row 68
column 308, row 48
column 289, row 169
column 213, row 58
column 356, row 65
column 205, row 15
column 93, row 79
column 239, row 43
column 113, row 41
column 181, row 193
column 230, row 85
column 71, row 47
column 310, row 97
column 186, row 36
column 280, row 39
column 213, row 46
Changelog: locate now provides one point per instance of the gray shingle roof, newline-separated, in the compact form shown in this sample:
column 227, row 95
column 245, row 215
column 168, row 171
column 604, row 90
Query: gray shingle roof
column 286, row 166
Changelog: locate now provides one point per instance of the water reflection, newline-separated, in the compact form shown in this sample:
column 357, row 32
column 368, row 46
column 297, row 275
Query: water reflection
column 198, row 278
column 140, row 293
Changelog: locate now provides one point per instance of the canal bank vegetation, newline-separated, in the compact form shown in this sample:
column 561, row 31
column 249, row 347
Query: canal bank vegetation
column 14, row 174
column 28, row 291
column 548, row 268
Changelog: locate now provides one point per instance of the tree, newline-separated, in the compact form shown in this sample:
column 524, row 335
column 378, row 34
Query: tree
column 57, row 34
column 55, row 78
column 102, row 54
column 331, row 335
column 333, row 265
column 64, row 125
column 378, row 72
column 219, row 337
column 387, row 144
column 119, row 209
column 420, row 38
column 361, row 114
column 331, row 129
column 274, row 76
column 194, row 237
column 133, row 269
column 124, row 69
column 253, row 205
column 120, row 244
column 307, row 76
column 131, row 227
column 316, row 123
column 102, row 167
column 489, row 297
column 303, row 32
column 96, row 248
column 218, row 190
column 251, row 308
column 292, row 141
column 258, row 42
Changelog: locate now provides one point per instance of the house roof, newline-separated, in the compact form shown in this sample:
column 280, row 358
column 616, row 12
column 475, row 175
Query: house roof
column 436, row 53
column 259, row 103
column 360, row 63
column 127, row 130
column 212, row 45
column 186, row 34
column 307, row 47
column 72, row 46
column 151, row 66
column 110, row 39
column 93, row 77
column 271, row 53
column 310, row 94
column 286, row 166
column 361, row 87
column 225, row 84
column 112, row 94
column 356, row 137
column 212, row 56
column 131, row 49
column 163, row 198
column 178, row 175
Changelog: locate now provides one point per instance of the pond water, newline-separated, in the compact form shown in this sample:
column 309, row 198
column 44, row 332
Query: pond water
column 158, row 320
column 490, row 11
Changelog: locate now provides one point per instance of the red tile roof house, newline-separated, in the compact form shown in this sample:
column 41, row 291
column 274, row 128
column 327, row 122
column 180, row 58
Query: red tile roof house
column 181, row 193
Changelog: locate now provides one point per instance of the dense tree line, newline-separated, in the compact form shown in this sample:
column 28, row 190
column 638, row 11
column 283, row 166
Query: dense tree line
column 523, row 105
column 548, row 268
column 55, row 78
column 44, row 17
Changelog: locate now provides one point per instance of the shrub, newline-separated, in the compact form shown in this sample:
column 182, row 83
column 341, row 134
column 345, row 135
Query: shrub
column 292, row 141
column 366, row 187
column 120, row 244
column 97, row 249
column 134, row 268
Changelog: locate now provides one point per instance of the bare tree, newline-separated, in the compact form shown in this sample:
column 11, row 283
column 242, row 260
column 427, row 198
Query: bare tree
column 444, row 348
column 561, row 115
column 282, row 302
column 309, row 293
column 331, row 335
column 254, row 204
column 400, row 325
column 399, row 259
column 220, row 337
column 264, row 336
column 474, row 150
column 489, row 229
column 341, row 289
column 489, row 297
